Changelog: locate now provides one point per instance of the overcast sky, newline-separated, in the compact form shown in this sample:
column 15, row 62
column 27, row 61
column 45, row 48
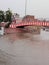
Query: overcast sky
column 39, row 8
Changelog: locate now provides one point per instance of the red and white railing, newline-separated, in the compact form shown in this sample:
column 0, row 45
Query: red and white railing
column 30, row 24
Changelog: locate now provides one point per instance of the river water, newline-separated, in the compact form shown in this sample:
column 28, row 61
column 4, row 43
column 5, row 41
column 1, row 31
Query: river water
column 24, row 49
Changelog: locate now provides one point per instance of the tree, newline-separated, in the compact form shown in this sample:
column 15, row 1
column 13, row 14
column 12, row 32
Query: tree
column 8, row 15
column 8, row 18
column 1, row 15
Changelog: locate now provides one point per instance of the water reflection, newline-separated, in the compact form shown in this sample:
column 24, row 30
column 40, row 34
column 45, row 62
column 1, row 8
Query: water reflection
column 23, row 34
column 18, row 36
column 44, row 35
column 24, row 49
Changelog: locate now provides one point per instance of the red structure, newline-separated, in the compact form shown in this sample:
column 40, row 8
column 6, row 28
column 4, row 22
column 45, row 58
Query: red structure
column 33, row 23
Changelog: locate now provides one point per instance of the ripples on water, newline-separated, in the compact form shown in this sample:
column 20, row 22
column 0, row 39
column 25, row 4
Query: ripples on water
column 31, row 47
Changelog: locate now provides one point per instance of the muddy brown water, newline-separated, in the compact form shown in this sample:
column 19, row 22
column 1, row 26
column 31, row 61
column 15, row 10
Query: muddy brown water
column 24, row 49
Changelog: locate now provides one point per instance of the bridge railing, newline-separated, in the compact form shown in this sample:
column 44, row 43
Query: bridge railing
column 30, row 24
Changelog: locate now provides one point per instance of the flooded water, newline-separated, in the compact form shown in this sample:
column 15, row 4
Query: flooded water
column 24, row 49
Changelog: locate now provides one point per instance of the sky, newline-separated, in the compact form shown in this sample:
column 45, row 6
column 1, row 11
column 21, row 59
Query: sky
column 38, row 8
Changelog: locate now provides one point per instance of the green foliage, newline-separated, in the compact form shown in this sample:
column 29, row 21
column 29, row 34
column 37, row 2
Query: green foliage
column 8, row 15
column 1, row 15
column 8, row 18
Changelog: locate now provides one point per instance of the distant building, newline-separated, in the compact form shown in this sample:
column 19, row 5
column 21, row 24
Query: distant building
column 28, row 18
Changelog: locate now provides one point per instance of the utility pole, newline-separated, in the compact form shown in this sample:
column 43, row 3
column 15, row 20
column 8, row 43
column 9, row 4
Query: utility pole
column 25, row 7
